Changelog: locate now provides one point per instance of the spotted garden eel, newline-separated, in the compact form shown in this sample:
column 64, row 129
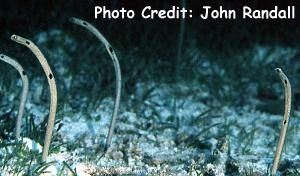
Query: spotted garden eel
column 25, row 84
column 285, row 121
column 53, row 91
column 115, row 60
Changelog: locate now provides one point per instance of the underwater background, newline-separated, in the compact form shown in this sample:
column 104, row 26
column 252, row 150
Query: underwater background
column 198, row 97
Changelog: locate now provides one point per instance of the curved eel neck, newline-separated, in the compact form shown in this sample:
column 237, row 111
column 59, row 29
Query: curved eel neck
column 25, row 84
column 53, row 90
column 284, row 125
column 115, row 60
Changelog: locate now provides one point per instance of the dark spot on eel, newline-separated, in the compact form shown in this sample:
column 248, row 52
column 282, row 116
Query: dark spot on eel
column 110, row 49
